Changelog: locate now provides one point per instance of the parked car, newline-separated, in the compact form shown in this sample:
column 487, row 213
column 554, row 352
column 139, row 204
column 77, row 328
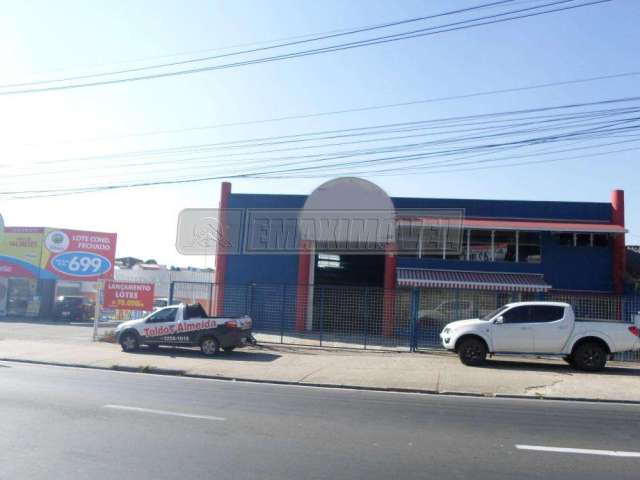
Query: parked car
column 186, row 325
column 547, row 328
column 74, row 308
column 445, row 310
column 160, row 302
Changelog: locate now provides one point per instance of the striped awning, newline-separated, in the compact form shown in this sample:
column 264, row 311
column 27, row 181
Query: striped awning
column 506, row 282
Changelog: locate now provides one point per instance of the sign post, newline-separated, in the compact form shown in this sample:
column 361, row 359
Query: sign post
column 98, row 310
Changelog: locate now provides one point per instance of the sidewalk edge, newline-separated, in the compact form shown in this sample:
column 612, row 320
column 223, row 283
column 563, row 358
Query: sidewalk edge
column 185, row 374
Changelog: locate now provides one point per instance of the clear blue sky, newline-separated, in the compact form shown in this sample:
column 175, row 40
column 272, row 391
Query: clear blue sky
column 41, row 39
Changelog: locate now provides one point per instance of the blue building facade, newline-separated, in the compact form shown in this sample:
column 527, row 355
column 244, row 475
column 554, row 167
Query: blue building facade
column 568, row 260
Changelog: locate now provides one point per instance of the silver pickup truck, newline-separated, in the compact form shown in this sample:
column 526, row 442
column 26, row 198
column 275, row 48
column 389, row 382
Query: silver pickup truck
column 186, row 325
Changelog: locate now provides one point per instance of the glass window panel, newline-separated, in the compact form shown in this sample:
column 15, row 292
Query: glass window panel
column 545, row 313
column 583, row 239
column 529, row 250
column 432, row 241
column 516, row 315
column 600, row 240
column 480, row 246
column 504, row 246
column 408, row 238
column 565, row 239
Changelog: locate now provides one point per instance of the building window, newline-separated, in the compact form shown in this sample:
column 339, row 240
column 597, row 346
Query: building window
column 408, row 240
column 600, row 240
column 480, row 246
column 583, row 240
column 504, row 246
column 564, row 239
column 435, row 242
column 529, row 250
column 326, row 260
column 457, row 242
column 597, row 240
column 471, row 245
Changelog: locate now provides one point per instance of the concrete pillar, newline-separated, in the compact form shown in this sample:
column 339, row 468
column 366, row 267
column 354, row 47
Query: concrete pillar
column 302, row 292
column 221, row 255
column 389, row 299
column 619, row 254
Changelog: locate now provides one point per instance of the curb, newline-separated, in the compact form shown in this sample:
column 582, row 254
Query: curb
column 185, row 374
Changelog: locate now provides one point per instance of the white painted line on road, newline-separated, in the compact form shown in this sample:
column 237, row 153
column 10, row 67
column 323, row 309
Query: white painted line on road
column 582, row 451
column 164, row 412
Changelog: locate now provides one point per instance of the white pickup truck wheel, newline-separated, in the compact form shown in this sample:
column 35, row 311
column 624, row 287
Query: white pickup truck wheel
column 472, row 351
column 589, row 356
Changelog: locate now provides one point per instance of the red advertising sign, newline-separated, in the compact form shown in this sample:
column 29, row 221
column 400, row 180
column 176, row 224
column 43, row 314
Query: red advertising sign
column 79, row 255
column 128, row 296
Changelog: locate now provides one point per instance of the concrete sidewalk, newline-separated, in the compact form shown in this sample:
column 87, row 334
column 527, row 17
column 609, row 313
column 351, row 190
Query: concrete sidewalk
column 428, row 372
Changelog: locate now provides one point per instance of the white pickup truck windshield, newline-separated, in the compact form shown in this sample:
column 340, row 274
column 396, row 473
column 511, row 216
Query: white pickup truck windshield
column 493, row 314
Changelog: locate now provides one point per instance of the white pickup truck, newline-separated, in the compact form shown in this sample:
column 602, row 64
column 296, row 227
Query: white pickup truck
column 186, row 325
column 545, row 328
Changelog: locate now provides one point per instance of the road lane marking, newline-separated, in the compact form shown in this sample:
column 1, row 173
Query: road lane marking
column 164, row 412
column 582, row 451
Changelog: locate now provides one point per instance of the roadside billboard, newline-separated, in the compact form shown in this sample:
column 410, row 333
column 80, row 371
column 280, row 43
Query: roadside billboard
column 128, row 296
column 20, row 252
column 78, row 254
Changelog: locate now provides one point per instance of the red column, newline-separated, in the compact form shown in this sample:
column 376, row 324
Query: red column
column 302, row 294
column 221, row 256
column 619, row 254
column 389, row 299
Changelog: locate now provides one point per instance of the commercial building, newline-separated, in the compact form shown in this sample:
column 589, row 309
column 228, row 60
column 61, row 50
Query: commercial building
column 487, row 251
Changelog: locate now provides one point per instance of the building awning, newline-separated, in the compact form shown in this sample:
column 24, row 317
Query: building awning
column 507, row 282
column 526, row 225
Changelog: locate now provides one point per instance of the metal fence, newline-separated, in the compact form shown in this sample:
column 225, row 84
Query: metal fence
column 374, row 318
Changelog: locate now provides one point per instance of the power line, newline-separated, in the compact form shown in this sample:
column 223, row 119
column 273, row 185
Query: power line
column 485, row 167
column 607, row 129
column 455, row 148
column 65, row 192
column 373, row 41
column 357, row 109
column 544, row 123
column 261, row 49
column 452, row 140
column 335, row 133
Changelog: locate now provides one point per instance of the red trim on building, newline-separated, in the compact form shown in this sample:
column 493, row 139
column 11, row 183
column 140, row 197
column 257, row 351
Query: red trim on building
column 302, row 296
column 389, row 298
column 221, row 256
column 535, row 225
column 619, row 254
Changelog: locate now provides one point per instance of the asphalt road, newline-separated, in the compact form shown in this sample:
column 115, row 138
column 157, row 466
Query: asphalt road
column 68, row 423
